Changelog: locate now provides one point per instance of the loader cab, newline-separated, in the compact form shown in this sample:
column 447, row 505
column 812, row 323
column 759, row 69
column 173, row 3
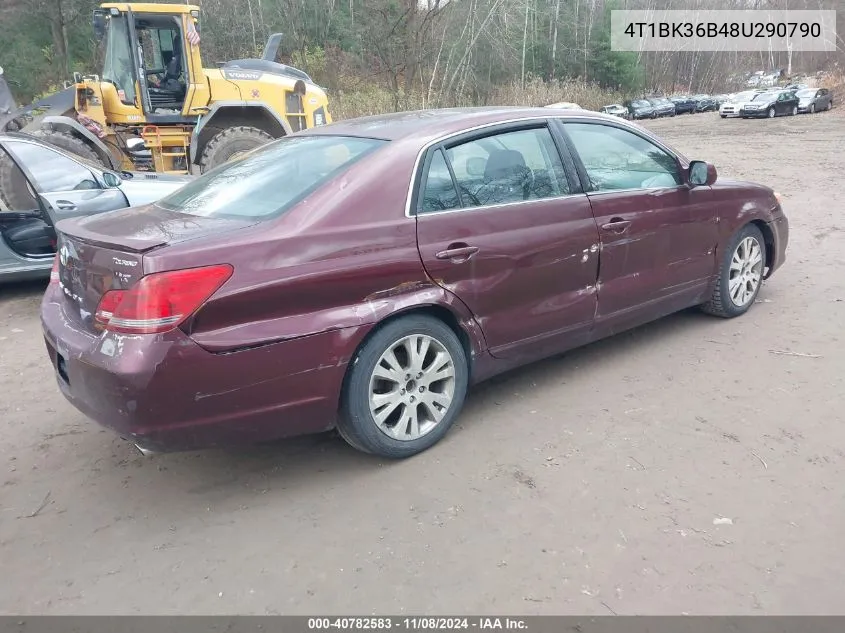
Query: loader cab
column 147, row 58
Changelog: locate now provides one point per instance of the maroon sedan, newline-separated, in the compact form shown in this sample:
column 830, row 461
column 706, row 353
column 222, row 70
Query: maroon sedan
column 362, row 275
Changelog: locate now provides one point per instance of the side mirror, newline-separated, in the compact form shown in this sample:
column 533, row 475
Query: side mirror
column 111, row 179
column 701, row 173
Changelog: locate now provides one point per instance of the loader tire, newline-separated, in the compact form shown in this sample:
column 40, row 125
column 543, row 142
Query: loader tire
column 70, row 144
column 15, row 193
column 231, row 142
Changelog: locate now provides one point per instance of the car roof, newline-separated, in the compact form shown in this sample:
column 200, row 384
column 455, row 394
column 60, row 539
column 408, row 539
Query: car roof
column 428, row 123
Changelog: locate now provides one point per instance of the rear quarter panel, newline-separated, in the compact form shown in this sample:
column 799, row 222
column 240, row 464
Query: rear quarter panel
column 344, row 257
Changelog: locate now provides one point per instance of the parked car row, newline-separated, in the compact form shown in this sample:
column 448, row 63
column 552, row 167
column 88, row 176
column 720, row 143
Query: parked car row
column 776, row 102
column 760, row 102
column 655, row 107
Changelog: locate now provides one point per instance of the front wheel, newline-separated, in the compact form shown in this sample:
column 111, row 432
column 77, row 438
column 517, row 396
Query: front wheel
column 812, row 108
column 740, row 274
column 794, row 111
column 771, row 113
column 405, row 387
column 724, row 116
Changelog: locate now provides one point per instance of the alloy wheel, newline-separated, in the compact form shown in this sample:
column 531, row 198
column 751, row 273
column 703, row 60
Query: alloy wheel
column 746, row 271
column 412, row 387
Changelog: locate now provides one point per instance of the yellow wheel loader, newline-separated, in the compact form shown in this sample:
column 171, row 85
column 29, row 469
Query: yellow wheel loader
column 155, row 108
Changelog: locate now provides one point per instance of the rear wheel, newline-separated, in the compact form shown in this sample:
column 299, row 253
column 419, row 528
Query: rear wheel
column 405, row 387
column 812, row 108
column 830, row 104
column 794, row 111
column 231, row 143
column 724, row 116
column 740, row 275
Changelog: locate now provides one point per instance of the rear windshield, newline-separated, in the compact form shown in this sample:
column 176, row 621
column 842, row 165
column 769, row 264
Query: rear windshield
column 267, row 181
column 806, row 93
column 640, row 104
column 765, row 96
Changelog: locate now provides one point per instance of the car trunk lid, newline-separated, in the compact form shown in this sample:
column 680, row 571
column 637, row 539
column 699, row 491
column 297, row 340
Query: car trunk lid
column 105, row 252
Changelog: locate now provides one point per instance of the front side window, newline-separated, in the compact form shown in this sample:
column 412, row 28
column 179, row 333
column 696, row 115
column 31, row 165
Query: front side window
column 508, row 167
column 617, row 159
column 53, row 172
column 267, row 181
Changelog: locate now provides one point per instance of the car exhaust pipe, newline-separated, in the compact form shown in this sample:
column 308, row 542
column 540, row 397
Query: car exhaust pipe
column 145, row 451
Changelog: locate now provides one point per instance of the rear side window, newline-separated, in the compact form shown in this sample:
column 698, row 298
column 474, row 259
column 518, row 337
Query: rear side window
column 268, row 181
column 508, row 167
column 439, row 193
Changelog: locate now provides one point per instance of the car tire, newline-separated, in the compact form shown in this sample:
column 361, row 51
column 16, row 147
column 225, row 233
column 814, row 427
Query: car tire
column 812, row 108
column 731, row 296
column 794, row 111
column 830, row 104
column 361, row 405
column 771, row 113
column 231, row 142
column 724, row 116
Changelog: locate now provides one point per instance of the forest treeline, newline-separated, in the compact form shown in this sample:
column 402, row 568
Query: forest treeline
column 376, row 55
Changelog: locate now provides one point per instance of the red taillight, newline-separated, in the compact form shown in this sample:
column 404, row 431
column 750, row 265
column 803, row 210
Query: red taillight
column 54, row 274
column 161, row 301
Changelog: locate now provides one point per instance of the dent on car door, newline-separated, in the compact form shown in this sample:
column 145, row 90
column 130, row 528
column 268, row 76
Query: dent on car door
column 500, row 226
column 658, row 236
column 66, row 187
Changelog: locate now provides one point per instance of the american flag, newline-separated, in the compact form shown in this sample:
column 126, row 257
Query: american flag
column 193, row 34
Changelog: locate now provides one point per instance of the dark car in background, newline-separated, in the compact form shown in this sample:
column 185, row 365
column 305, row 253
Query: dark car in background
column 641, row 109
column 771, row 104
column 814, row 100
column 662, row 106
column 706, row 103
column 683, row 104
column 362, row 275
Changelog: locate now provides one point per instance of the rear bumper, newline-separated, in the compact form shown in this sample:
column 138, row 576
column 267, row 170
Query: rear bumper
column 803, row 108
column 780, row 231
column 166, row 393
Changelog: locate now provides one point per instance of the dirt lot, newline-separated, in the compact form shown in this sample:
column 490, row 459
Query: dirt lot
column 594, row 483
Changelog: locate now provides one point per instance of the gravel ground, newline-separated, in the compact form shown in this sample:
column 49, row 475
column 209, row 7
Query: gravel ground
column 683, row 467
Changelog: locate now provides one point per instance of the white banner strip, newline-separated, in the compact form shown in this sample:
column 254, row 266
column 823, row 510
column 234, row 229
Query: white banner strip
column 722, row 30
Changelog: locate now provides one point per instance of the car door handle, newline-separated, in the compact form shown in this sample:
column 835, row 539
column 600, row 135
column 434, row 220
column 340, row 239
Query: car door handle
column 457, row 253
column 616, row 225
column 65, row 205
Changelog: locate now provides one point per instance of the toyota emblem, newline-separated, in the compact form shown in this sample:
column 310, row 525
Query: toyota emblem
column 63, row 254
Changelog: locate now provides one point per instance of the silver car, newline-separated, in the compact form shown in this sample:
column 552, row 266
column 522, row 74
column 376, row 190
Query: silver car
column 41, row 185
column 814, row 100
